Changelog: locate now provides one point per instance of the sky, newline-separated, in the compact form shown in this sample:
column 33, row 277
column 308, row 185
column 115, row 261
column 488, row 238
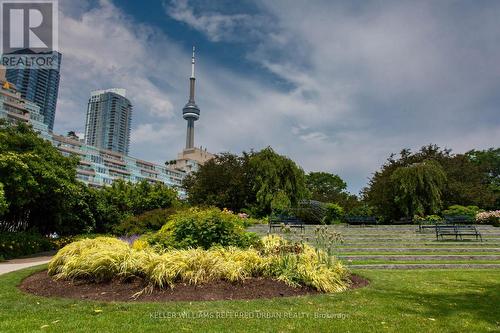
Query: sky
column 337, row 86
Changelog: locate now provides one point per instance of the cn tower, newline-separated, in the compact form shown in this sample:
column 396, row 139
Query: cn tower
column 191, row 111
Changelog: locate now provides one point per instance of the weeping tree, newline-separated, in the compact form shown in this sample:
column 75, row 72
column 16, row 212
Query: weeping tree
column 418, row 188
column 274, row 175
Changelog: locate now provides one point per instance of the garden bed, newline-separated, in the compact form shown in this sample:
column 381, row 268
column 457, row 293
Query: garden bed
column 42, row 284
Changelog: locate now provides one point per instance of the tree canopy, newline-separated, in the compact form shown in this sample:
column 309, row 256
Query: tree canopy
column 418, row 188
column 325, row 187
column 37, row 180
column 247, row 182
column 466, row 182
column 39, row 190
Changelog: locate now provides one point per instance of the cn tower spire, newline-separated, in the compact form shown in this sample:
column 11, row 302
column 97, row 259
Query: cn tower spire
column 192, row 65
column 191, row 111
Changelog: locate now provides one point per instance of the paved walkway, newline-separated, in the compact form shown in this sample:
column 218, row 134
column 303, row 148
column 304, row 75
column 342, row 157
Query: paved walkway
column 16, row 264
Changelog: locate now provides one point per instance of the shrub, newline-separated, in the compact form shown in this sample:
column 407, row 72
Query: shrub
column 19, row 244
column 105, row 258
column 362, row 210
column 491, row 217
column 149, row 221
column 203, row 228
column 458, row 210
column 333, row 214
column 427, row 218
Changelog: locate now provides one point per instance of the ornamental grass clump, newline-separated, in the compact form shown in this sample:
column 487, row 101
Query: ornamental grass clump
column 99, row 259
column 197, row 266
column 106, row 258
column 310, row 266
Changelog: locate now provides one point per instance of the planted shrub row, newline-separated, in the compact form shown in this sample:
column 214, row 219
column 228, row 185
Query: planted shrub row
column 19, row 244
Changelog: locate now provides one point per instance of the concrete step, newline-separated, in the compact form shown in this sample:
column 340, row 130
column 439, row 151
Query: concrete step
column 417, row 249
column 393, row 257
column 426, row 266
column 422, row 244
column 409, row 239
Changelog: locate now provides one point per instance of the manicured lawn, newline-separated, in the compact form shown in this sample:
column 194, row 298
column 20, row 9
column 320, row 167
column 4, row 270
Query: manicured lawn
column 396, row 301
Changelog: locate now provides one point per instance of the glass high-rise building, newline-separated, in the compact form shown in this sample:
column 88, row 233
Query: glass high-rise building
column 40, row 86
column 109, row 116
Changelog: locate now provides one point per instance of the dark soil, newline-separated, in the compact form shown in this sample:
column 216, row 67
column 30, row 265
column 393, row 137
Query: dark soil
column 43, row 285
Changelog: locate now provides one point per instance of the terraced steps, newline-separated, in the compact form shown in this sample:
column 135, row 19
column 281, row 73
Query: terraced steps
column 426, row 266
column 403, row 247
column 417, row 249
column 420, row 257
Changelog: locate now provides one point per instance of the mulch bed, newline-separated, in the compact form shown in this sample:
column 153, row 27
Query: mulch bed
column 43, row 285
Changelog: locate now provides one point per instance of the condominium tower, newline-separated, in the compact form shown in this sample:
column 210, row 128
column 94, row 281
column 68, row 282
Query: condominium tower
column 40, row 86
column 109, row 115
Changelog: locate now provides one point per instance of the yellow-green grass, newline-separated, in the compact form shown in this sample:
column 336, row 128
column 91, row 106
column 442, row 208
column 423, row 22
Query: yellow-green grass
column 105, row 258
column 395, row 301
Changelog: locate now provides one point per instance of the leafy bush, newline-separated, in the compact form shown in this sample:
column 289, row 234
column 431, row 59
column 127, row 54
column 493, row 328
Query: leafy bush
column 362, row 210
column 19, row 244
column 427, row 218
column 203, row 228
column 491, row 217
column 147, row 222
column 334, row 214
column 105, row 258
column 458, row 210
column 122, row 200
column 310, row 211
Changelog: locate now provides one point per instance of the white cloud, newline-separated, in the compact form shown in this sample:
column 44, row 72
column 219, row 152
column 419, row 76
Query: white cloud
column 365, row 80
column 215, row 25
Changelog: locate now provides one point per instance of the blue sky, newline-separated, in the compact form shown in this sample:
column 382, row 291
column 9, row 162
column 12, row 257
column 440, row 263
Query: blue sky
column 336, row 85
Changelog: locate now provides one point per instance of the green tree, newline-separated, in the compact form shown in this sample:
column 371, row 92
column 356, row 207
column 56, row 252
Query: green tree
column 248, row 182
column 325, row 187
column 112, row 204
column 330, row 188
column 418, row 188
column 222, row 182
column 39, row 183
column 466, row 183
column 271, row 174
column 489, row 162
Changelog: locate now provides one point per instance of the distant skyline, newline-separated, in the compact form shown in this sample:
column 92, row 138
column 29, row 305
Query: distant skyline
column 335, row 85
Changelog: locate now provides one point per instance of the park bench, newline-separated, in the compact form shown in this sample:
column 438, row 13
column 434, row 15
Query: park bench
column 425, row 224
column 361, row 220
column 457, row 231
column 290, row 221
column 468, row 230
column 446, row 230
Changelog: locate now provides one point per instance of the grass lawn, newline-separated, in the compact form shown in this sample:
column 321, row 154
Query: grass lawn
column 395, row 301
